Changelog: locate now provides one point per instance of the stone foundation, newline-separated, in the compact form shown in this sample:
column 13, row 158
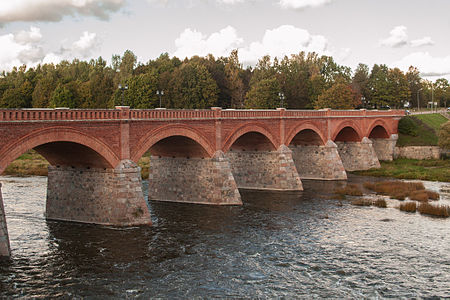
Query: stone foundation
column 193, row 180
column 384, row 148
column 358, row 155
column 318, row 162
column 274, row 170
column 5, row 250
column 418, row 152
column 98, row 196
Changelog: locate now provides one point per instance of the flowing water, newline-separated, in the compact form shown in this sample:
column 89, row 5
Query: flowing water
column 277, row 245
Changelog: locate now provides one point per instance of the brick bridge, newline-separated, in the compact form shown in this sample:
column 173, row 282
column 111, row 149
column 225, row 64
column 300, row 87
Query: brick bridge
column 197, row 156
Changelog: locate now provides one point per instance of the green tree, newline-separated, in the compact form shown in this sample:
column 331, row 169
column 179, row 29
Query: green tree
column 415, row 86
column 360, row 83
column 263, row 94
column 234, row 82
column 192, row 86
column 399, row 93
column 379, row 86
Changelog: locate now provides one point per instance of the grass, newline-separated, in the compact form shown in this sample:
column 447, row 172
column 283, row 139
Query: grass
column 380, row 202
column 28, row 164
column 434, row 210
column 401, row 190
column 32, row 163
column 408, row 206
column 425, row 128
column 432, row 170
column 362, row 202
column 349, row 189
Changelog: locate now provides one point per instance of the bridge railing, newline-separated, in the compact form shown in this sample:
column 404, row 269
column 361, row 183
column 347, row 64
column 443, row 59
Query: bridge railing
column 58, row 114
column 170, row 114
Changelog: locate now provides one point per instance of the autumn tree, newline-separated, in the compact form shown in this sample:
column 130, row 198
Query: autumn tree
column 339, row 96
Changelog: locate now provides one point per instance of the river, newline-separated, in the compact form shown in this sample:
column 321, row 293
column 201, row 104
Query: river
column 277, row 245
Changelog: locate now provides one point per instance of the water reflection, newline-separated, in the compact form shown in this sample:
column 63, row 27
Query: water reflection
column 300, row 244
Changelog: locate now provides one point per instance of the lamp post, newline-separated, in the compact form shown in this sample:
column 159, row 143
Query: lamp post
column 281, row 95
column 418, row 98
column 123, row 88
column 160, row 94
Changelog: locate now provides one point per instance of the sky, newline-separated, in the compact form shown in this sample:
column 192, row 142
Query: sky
column 398, row 33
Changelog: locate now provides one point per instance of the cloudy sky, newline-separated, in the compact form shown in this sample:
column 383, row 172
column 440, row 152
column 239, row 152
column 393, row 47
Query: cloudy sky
column 393, row 32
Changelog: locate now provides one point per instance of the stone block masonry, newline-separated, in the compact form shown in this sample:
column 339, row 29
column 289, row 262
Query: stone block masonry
column 358, row 155
column 274, row 170
column 318, row 162
column 193, row 180
column 5, row 250
column 384, row 148
column 418, row 152
column 98, row 196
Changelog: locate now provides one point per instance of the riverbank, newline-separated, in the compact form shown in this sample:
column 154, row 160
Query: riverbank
column 33, row 164
column 403, row 168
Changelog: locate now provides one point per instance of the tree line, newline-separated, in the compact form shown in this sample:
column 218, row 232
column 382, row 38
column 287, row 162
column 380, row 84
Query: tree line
column 301, row 81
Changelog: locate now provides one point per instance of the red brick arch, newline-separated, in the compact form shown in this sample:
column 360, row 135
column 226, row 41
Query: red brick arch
column 55, row 134
column 163, row 132
column 301, row 127
column 378, row 122
column 246, row 128
column 350, row 124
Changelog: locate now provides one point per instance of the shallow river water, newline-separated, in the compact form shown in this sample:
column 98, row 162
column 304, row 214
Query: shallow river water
column 277, row 245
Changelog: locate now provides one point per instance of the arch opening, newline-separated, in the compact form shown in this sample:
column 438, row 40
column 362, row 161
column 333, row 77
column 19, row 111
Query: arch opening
column 379, row 132
column 347, row 134
column 307, row 137
column 178, row 146
column 72, row 154
column 252, row 141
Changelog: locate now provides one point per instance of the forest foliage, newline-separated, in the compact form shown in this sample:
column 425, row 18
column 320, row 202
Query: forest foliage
column 306, row 80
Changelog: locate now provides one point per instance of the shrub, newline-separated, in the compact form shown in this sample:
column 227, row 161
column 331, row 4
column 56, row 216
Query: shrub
column 421, row 196
column 395, row 189
column 380, row 202
column 407, row 126
column 444, row 136
column 408, row 206
column 438, row 210
column 349, row 189
column 362, row 202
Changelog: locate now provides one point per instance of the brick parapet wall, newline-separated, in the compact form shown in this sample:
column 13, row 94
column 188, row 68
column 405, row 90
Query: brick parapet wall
column 193, row 180
column 5, row 250
column 98, row 196
column 265, row 169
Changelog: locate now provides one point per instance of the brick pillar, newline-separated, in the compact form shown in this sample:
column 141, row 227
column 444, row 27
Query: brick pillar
column 318, row 162
column 384, row 148
column 5, row 250
column 98, row 196
column 358, row 155
column 271, row 170
column 193, row 180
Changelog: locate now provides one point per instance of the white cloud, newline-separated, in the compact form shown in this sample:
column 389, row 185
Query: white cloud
column 425, row 41
column 278, row 42
column 302, row 4
column 426, row 63
column 398, row 37
column 55, row 10
column 19, row 49
column 192, row 42
column 284, row 40
column 25, row 47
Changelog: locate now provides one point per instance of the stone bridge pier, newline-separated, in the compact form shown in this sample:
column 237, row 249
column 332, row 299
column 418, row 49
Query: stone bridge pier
column 5, row 250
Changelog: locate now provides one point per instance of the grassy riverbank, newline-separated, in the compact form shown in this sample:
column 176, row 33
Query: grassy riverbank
column 433, row 169
column 420, row 130
column 32, row 163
